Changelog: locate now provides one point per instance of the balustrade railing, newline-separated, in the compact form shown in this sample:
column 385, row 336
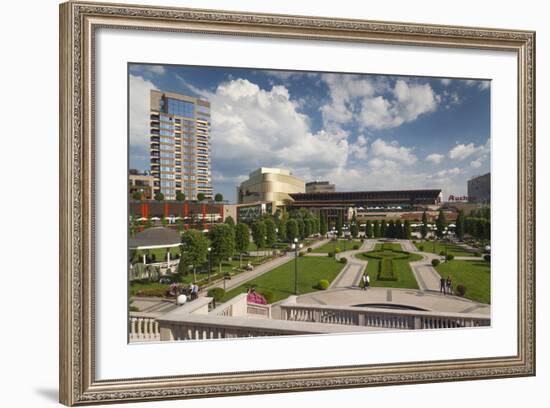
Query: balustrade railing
column 373, row 317
column 143, row 327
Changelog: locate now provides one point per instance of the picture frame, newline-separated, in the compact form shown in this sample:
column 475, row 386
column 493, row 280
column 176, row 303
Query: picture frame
column 79, row 22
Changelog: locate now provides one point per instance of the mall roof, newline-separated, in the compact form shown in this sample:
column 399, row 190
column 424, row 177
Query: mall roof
column 155, row 237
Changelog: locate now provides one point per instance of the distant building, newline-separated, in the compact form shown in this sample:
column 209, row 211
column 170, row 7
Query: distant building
column 479, row 189
column 142, row 183
column 269, row 184
column 180, row 145
column 319, row 187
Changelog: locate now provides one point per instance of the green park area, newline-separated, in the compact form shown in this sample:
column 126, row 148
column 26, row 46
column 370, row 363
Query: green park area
column 475, row 276
column 343, row 244
column 438, row 247
column 280, row 281
column 388, row 266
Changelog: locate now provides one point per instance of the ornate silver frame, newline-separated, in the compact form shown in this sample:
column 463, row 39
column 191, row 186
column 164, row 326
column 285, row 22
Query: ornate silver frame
column 78, row 22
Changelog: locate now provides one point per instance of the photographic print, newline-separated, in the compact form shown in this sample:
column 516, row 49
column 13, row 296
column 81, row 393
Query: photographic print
column 268, row 202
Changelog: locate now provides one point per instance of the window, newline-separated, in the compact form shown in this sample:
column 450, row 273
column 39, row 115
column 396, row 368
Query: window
column 180, row 108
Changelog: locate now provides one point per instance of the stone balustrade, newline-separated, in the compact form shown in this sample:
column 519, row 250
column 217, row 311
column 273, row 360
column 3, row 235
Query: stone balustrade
column 379, row 318
column 143, row 327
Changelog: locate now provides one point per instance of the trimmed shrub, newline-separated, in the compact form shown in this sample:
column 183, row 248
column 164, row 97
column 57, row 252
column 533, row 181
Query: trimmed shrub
column 477, row 253
column 435, row 262
column 487, row 257
column 216, row 293
column 460, row 290
column 421, row 247
column 355, row 246
column 309, row 249
column 301, row 253
column 337, row 250
column 442, row 253
column 323, row 284
column 267, row 294
column 330, row 254
column 343, row 260
column 386, row 270
column 450, row 257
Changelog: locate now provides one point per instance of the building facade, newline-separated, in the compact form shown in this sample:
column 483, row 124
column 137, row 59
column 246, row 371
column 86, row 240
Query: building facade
column 180, row 145
column 141, row 183
column 269, row 184
column 319, row 187
column 479, row 189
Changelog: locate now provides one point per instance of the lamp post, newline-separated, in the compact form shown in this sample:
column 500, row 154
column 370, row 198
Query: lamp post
column 209, row 262
column 295, row 246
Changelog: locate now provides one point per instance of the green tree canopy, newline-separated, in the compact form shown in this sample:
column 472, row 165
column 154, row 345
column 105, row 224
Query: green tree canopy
column 222, row 241
column 180, row 196
column 230, row 221
column 194, row 250
column 242, row 237
column 323, row 227
column 201, row 196
column 440, row 223
column 218, row 197
column 460, row 224
column 282, row 229
column 376, row 229
column 301, row 228
column 424, row 226
column 270, row 233
column 159, row 196
column 136, row 195
column 291, row 230
column 407, row 230
column 369, row 230
column 259, row 233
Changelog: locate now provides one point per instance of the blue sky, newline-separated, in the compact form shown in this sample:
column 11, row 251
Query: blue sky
column 359, row 131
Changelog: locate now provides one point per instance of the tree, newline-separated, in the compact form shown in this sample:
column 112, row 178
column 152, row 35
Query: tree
column 368, row 229
column 376, row 229
column 270, row 233
column 440, row 223
column 159, row 196
column 218, row 198
column 222, row 242
column 339, row 225
column 201, row 196
column 399, row 231
column 194, row 251
column 242, row 239
column 136, row 195
column 460, row 225
column 291, row 230
column 383, row 228
column 354, row 230
column 282, row 230
column 424, row 226
column 323, row 227
column 230, row 221
column 258, row 233
column 180, row 196
column 301, row 228
column 307, row 228
column 407, row 230
column 390, row 231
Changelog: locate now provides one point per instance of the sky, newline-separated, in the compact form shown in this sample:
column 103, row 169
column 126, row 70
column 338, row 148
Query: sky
column 358, row 131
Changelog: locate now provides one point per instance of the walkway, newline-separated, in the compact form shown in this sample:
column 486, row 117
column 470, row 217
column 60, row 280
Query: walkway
column 351, row 274
column 426, row 276
column 395, row 297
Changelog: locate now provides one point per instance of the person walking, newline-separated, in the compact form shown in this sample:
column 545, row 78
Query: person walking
column 442, row 286
column 367, row 282
column 364, row 279
column 449, row 284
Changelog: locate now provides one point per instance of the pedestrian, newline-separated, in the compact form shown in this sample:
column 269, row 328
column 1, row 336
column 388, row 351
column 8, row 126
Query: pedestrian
column 364, row 279
column 442, row 286
column 449, row 285
column 368, row 280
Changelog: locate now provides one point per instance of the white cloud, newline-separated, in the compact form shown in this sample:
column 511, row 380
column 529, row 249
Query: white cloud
column 448, row 172
column 463, row 151
column 446, row 81
column 435, row 158
column 476, row 163
column 140, row 90
column 410, row 101
column 392, row 151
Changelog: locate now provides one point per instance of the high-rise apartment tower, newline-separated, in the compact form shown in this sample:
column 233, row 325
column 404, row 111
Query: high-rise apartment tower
column 180, row 145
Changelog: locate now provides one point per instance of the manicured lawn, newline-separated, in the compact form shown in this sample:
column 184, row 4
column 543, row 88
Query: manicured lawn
column 452, row 249
column 474, row 275
column 405, row 277
column 343, row 244
column 280, row 280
